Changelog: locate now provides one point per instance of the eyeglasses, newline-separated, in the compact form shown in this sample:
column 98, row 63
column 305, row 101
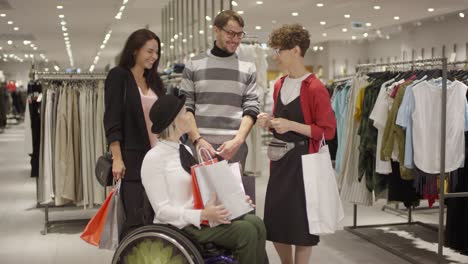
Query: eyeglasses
column 232, row 34
column 278, row 50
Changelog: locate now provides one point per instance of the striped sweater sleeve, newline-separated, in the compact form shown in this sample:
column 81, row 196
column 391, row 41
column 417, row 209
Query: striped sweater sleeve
column 187, row 87
column 250, row 101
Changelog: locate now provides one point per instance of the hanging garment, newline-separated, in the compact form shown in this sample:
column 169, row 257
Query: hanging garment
column 340, row 103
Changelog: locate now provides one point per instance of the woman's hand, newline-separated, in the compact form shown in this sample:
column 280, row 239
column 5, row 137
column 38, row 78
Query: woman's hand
column 263, row 120
column 281, row 125
column 118, row 169
column 247, row 198
column 215, row 213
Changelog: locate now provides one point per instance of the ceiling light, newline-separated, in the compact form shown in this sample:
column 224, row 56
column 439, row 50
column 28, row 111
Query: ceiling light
column 234, row 3
column 201, row 32
column 210, row 26
column 124, row 2
column 321, row 48
column 56, row 68
column 377, row 7
column 387, row 37
column 171, row 47
column 26, row 55
column 35, row 48
column 171, row 19
column 353, row 37
column 61, row 16
column 2, row 15
column 64, row 29
column 122, row 8
column 324, row 34
column 10, row 42
column 1, row 48
column 192, row 55
column 103, row 46
column 208, row 18
column 258, row 27
column 294, row 13
column 319, row 4
column 240, row 12
column 63, row 23
column 396, row 17
column 462, row 15
column 184, row 40
column 344, row 30
column 46, row 69
column 379, row 32
column 323, row 23
column 59, row 7
column 368, row 24
column 347, row 15
column 16, row 28
column 191, row 36
column 365, row 35
column 46, row 60
column 66, row 38
column 259, row 2
column 315, row 48
column 431, row 9
column 65, row 34
column 32, row 45
column 10, row 22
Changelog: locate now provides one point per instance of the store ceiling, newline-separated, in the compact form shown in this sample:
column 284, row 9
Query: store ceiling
column 88, row 21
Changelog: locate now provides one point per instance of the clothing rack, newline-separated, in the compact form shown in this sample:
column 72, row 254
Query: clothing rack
column 62, row 76
column 442, row 195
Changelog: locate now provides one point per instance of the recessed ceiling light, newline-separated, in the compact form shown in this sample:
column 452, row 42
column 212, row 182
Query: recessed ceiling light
column 387, row 37
column 320, row 5
column 347, row 15
column 240, row 12
column 365, row 35
column 353, row 37
column 63, row 23
column 294, row 13
column 2, row 15
column 324, row 34
column 234, row 3
column 201, row 32
column 431, row 10
column 122, row 8
column 65, row 34
column 379, row 32
column 259, row 2
column 35, row 48
column 462, row 15
column 16, row 28
column 208, row 18
column 315, row 48
column 368, row 24
column 323, row 23
column 396, row 17
column 66, row 38
column 344, row 30
column 377, row 7
column 59, row 7
column 61, row 16
column 10, row 42
column 10, row 22
column 64, row 29
column 258, row 27
column 321, row 48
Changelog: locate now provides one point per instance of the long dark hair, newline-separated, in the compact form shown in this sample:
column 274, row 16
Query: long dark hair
column 127, row 60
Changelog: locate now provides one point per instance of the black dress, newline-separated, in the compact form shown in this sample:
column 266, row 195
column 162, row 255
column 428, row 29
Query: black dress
column 285, row 206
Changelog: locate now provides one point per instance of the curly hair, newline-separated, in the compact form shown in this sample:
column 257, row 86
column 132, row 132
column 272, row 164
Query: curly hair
column 290, row 36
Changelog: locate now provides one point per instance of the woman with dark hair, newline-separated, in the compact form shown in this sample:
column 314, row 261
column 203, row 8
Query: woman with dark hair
column 130, row 90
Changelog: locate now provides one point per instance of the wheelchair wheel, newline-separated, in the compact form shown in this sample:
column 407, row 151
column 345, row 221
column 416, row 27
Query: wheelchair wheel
column 156, row 244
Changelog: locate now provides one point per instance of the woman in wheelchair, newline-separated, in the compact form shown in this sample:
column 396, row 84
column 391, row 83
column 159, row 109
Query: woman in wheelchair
column 165, row 175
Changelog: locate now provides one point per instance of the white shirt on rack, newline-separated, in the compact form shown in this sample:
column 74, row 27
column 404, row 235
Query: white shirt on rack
column 168, row 186
column 427, row 122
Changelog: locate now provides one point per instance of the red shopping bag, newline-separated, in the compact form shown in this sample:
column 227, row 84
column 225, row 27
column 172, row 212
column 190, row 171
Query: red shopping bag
column 93, row 230
column 197, row 199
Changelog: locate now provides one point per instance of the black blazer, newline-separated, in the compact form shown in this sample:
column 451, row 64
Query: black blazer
column 124, row 120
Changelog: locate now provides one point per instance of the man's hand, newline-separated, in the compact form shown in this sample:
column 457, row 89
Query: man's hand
column 202, row 143
column 229, row 148
column 281, row 125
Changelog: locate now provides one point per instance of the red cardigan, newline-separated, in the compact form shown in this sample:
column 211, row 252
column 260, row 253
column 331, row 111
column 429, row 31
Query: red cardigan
column 316, row 108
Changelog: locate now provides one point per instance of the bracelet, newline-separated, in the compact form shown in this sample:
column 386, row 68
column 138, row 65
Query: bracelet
column 195, row 142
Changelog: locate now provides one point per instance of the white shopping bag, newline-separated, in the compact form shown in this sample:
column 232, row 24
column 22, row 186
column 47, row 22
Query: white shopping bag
column 220, row 177
column 324, row 207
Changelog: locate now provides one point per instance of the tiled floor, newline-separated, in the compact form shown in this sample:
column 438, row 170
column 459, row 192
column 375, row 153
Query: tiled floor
column 21, row 223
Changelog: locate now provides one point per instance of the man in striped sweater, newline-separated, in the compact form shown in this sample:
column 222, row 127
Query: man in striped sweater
column 221, row 93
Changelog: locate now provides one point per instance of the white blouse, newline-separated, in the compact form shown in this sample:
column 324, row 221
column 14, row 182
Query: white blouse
column 169, row 186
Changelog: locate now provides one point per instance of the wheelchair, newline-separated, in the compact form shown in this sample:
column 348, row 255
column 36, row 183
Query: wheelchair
column 165, row 244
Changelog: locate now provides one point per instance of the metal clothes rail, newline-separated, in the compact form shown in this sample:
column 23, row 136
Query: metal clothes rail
column 63, row 76
column 442, row 195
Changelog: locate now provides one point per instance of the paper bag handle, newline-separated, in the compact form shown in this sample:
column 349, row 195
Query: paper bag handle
column 200, row 158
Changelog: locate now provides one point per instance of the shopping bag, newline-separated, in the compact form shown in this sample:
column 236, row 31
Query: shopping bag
column 93, row 230
column 197, row 198
column 114, row 222
column 323, row 203
column 219, row 178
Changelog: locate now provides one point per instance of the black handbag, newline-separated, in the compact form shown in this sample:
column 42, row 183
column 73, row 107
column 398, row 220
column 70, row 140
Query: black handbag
column 103, row 170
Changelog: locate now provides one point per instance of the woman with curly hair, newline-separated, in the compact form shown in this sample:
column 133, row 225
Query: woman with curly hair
column 302, row 115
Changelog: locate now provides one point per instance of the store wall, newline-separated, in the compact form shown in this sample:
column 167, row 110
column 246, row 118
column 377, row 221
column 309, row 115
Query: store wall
column 341, row 57
column 18, row 71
